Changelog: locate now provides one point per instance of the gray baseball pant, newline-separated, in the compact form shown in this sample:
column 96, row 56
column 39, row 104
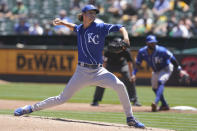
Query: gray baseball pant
column 85, row 77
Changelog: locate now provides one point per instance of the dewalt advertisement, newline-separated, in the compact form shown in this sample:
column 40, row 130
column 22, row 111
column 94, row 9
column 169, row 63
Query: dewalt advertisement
column 46, row 62
column 38, row 62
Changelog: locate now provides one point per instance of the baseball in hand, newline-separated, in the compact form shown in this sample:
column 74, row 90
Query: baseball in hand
column 57, row 21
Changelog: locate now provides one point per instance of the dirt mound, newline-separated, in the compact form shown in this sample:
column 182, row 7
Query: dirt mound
column 12, row 123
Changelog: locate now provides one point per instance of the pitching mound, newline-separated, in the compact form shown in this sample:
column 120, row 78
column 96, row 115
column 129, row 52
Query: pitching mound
column 12, row 123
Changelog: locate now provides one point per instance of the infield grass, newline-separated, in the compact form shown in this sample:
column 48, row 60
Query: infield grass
column 174, row 96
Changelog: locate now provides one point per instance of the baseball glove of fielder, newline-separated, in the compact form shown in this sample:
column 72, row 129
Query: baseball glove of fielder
column 117, row 45
column 184, row 77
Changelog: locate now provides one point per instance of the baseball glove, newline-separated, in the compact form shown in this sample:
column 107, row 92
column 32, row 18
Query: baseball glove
column 184, row 77
column 117, row 45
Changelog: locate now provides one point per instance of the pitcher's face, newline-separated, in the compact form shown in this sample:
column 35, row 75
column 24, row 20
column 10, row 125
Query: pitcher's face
column 90, row 15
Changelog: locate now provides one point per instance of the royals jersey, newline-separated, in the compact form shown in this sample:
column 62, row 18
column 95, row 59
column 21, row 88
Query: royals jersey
column 158, row 60
column 90, row 41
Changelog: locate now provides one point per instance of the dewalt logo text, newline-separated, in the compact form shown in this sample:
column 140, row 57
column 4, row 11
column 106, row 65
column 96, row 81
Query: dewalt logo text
column 44, row 62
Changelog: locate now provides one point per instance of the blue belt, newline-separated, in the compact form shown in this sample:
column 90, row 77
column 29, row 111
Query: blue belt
column 92, row 66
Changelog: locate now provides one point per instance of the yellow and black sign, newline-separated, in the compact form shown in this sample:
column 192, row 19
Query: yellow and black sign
column 46, row 62
column 39, row 62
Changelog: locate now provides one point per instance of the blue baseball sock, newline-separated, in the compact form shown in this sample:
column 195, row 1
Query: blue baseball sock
column 163, row 101
column 159, row 93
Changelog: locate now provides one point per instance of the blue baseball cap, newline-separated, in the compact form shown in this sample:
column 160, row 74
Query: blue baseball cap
column 90, row 7
column 151, row 39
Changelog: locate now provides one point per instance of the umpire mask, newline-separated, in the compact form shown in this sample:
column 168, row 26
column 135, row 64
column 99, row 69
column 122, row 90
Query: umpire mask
column 114, row 46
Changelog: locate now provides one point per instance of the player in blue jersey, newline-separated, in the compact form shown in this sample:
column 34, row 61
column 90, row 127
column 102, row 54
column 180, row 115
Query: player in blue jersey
column 90, row 42
column 162, row 62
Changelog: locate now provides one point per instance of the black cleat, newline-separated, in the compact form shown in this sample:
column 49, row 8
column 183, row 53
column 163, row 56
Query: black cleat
column 95, row 104
column 164, row 108
column 136, row 104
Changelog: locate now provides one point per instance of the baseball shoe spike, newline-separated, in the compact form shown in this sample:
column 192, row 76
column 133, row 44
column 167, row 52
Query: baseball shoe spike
column 131, row 121
column 23, row 110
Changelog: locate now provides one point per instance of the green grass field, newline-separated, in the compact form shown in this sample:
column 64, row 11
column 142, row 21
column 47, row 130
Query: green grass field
column 174, row 96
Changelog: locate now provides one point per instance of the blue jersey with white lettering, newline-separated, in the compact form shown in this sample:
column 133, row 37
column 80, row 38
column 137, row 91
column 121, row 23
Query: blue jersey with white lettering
column 158, row 60
column 90, row 41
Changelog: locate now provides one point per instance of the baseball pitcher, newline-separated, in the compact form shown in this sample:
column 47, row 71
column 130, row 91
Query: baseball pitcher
column 90, row 43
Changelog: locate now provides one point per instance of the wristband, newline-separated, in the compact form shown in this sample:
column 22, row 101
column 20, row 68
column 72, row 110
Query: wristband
column 179, row 68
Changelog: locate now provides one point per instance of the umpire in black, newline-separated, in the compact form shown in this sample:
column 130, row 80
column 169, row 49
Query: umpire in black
column 117, row 58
